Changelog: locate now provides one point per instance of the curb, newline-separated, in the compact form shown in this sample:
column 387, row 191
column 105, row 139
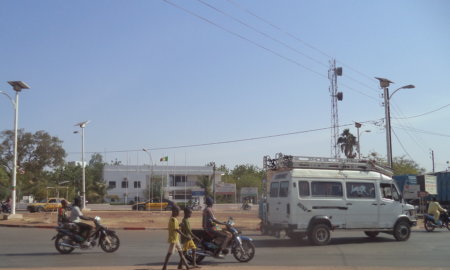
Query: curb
column 109, row 228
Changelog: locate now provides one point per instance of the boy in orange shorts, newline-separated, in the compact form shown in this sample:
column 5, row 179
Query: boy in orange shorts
column 187, row 241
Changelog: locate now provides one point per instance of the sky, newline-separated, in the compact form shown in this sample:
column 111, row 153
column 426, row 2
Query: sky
column 158, row 74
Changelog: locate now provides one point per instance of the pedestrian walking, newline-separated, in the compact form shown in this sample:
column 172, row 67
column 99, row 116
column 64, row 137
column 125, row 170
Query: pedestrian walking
column 188, row 243
column 174, row 231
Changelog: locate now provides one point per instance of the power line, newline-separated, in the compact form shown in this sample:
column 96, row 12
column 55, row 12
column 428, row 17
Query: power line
column 299, row 39
column 254, row 43
column 402, row 145
column 224, row 142
column 424, row 131
column 423, row 113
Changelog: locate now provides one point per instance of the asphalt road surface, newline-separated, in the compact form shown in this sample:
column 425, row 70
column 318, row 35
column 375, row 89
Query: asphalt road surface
column 31, row 248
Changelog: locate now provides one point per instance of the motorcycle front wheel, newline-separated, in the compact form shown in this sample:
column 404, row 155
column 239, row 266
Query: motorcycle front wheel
column 115, row 243
column 63, row 239
column 429, row 226
column 448, row 226
column 198, row 258
column 245, row 255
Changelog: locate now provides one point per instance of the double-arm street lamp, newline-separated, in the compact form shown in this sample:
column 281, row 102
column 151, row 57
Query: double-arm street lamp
column 384, row 83
column 83, row 163
column 17, row 86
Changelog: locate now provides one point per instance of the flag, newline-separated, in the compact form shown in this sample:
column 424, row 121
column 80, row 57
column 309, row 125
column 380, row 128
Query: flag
column 164, row 159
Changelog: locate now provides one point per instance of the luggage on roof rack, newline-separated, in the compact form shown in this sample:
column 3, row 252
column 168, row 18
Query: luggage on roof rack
column 281, row 162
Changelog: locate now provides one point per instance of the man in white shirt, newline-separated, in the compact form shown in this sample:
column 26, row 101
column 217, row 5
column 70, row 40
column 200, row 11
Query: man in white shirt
column 76, row 216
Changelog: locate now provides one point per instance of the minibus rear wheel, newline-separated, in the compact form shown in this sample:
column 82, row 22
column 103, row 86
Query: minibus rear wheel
column 319, row 235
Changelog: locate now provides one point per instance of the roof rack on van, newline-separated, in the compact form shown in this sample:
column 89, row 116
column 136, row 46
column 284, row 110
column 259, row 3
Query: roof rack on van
column 292, row 162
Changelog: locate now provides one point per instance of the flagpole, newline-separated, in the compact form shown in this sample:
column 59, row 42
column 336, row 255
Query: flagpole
column 137, row 181
column 162, row 181
column 185, row 179
column 126, row 182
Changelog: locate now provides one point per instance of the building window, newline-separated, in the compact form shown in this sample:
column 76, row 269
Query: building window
column 136, row 199
column 112, row 184
column 124, row 184
column 137, row 184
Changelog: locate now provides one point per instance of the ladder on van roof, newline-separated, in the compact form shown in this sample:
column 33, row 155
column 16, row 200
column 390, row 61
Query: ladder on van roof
column 281, row 162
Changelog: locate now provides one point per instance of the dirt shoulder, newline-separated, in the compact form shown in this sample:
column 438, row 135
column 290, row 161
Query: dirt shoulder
column 173, row 267
column 138, row 219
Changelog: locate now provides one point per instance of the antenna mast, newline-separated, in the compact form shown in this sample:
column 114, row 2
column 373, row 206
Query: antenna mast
column 333, row 72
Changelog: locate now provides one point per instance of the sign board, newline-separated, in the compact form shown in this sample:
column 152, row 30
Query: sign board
column 410, row 191
column 225, row 188
column 249, row 191
column 422, row 194
column 198, row 193
column 430, row 184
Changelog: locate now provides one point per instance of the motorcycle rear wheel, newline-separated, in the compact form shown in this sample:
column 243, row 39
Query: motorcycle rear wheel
column 115, row 243
column 198, row 258
column 249, row 248
column 429, row 226
column 63, row 249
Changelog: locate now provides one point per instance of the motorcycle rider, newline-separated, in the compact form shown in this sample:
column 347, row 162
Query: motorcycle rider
column 7, row 204
column 76, row 216
column 433, row 209
column 209, row 225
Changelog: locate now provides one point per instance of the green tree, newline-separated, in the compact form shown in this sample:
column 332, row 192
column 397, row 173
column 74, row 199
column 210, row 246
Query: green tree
column 205, row 182
column 97, row 191
column 401, row 165
column 158, row 183
column 37, row 155
column 348, row 143
column 5, row 183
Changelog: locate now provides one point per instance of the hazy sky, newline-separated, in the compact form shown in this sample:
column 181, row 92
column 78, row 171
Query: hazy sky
column 149, row 74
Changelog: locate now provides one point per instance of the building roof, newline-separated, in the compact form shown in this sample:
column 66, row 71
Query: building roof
column 163, row 170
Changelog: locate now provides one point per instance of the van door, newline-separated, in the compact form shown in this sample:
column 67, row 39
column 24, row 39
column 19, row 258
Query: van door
column 362, row 211
column 283, row 207
column 273, row 200
column 328, row 200
column 390, row 206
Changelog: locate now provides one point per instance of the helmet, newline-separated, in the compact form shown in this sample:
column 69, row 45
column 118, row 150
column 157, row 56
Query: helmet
column 209, row 201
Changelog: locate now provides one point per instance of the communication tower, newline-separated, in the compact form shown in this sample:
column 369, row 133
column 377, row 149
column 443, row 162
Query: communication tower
column 333, row 72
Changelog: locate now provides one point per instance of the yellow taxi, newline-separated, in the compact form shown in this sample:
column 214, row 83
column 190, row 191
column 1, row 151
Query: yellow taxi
column 154, row 204
column 50, row 204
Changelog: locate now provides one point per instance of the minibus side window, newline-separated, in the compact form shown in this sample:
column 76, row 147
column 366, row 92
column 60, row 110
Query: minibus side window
column 284, row 189
column 303, row 188
column 274, row 189
column 326, row 189
column 360, row 190
column 386, row 191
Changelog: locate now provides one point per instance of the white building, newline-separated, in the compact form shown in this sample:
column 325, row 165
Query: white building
column 76, row 163
column 181, row 180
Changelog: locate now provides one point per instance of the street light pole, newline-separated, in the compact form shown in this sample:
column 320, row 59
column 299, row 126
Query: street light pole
column 83, row 163
column 17, row 86
column 151, row 174
column 384, row 83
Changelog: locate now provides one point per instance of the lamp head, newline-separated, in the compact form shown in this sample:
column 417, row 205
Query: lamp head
column 367, row 130
column 144, row 149
column 408, row 86
column 384, row 82
column 18, row 85
column 75, row 132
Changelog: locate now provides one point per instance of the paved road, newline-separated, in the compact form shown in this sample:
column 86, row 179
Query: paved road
column 33, row 248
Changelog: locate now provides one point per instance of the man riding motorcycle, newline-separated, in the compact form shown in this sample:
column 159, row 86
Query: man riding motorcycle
column 209, row 224
column 76, row 216
column 433, row 209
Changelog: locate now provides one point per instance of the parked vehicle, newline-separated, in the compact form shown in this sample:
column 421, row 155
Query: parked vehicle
column 107, row 239
column 241, row 247
column 47, row 205
column 195, row 207
column 310, row 197
column 430, row 225
column 154, row 204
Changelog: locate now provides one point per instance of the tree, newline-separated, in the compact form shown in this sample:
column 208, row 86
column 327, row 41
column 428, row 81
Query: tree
column 158, row 183
column 348, row 142
column 205, row 182
column 401, row 165
column 116, row 162
column 36, row 154
column 5, row 183
column 98, row 190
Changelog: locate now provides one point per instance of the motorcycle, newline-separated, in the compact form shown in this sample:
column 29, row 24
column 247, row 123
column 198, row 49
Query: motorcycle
column 107, row 239
column 242, row 247
column 195, row 207
column 246, row 207
column 430, row 225
column 5, row 209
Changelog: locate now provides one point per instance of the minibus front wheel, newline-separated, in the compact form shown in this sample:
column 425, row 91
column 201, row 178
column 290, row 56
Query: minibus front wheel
column 319, row 235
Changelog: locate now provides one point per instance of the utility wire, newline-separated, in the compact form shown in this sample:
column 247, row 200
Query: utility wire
column 224, row 142
column 286, row 58
column 424, row 131
column 402, row 145
column 299, row 39
column 423, row 113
